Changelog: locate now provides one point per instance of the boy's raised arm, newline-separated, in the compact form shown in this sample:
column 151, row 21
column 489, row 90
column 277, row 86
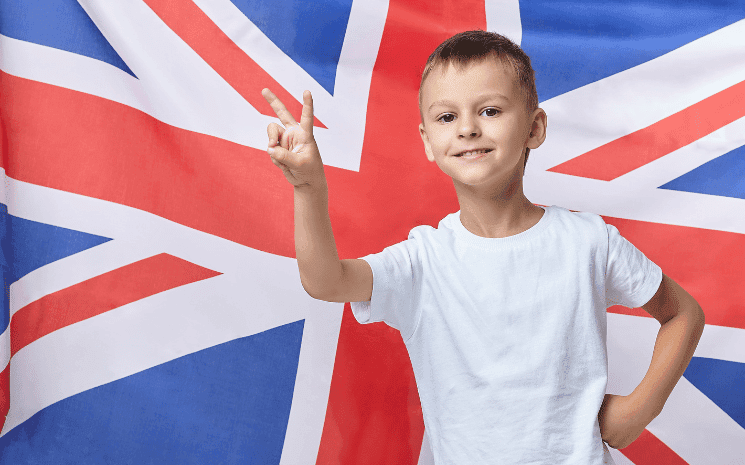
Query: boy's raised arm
column 293, row 149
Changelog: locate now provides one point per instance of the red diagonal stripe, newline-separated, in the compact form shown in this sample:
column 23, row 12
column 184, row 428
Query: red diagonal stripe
column 223, row 55
column 100, row 294
column 649, row 450
column 630, row 152
column 80, row 143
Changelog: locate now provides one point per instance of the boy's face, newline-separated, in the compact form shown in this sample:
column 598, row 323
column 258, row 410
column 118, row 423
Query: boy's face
column 476, row 124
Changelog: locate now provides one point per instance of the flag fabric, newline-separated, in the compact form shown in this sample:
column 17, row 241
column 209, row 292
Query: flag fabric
column 153, row 311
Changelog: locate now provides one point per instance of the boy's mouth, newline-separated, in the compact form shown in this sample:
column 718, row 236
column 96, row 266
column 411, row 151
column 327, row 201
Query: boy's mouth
column 473, row 153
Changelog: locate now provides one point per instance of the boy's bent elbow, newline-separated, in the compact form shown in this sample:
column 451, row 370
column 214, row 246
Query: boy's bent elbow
column 352, row 283
column 316, row 294
column 318, row 289
column 311, row 290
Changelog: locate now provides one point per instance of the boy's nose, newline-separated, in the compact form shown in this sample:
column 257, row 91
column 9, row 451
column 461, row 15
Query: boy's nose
column 468, row 128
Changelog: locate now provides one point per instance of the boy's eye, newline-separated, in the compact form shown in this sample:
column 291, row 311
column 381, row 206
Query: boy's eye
column 490, row 112
column 446, row 118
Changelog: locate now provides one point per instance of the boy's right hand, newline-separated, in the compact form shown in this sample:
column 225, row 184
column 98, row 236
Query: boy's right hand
column 292, row 147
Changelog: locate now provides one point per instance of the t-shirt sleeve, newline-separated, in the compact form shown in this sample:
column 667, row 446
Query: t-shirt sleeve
column 393, row 284
column 631, row 278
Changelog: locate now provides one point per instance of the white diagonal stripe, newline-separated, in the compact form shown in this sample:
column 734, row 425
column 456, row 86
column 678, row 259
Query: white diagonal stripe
column 699, row 431
column 343, row 113
column 603, row 111
column 257, row 291
column 642, row 204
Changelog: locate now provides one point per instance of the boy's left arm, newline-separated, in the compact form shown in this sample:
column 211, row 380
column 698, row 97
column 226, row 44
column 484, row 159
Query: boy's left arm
column 623, row 418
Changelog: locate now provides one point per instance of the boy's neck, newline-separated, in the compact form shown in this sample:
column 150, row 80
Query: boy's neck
column 497, row 215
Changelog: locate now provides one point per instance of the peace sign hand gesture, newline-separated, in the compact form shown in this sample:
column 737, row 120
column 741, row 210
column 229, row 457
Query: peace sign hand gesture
column 292, row 147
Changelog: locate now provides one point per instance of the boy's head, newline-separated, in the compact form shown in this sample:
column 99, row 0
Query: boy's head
column 477, row 47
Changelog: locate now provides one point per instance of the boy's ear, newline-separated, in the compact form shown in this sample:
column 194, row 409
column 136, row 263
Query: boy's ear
column 427, row 145
column 537, row 129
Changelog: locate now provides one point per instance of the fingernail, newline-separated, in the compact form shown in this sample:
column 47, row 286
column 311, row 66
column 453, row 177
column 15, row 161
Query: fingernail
column 270, row 150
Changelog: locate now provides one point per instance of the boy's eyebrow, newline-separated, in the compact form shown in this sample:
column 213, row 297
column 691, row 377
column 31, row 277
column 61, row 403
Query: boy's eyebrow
column 441, row 102
column 479, row 99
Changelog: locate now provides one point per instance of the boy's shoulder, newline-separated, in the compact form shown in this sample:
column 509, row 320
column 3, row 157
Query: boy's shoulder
column 578, row 218
column 580, row 227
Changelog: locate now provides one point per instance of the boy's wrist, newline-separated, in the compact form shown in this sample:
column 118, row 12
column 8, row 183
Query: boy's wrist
column 312, row 187
column 314, row 179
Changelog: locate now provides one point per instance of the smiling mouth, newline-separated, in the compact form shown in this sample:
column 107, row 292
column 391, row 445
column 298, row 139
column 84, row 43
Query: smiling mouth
column 473, row 153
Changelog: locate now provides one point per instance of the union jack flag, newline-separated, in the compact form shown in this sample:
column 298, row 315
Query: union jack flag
column 153, row 311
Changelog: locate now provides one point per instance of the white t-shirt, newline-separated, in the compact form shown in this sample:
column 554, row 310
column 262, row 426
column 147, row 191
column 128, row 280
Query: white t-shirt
column 507, row 336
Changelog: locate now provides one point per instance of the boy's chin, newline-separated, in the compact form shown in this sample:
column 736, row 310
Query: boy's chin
column 504, row 185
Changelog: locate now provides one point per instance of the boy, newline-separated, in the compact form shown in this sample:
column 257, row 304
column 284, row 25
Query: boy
column 502, row 307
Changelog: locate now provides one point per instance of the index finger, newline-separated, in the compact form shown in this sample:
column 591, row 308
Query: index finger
column 279, row 108
column 306, row 118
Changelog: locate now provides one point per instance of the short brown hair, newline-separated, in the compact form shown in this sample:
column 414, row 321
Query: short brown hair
column 475, row 46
